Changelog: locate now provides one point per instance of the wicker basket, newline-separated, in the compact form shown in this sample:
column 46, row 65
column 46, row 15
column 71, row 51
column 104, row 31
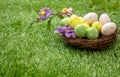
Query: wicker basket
column 102, row 42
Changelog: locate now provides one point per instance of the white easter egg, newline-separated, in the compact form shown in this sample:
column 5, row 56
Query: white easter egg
column 104, row 18
column 108, row 28
column 90, row 18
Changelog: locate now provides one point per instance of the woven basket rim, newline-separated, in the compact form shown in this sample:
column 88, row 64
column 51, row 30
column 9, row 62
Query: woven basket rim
column 102, row 42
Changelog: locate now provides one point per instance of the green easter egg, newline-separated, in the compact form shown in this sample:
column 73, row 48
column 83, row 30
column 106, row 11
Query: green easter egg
column 92, row 33
column 80, row 30
column 65, row 21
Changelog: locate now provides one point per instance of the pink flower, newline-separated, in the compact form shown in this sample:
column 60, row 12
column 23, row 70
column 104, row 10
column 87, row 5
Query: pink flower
column 67, row 12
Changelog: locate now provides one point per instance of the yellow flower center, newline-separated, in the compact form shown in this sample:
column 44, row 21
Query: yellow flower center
column 43, row 12
column 64, row 10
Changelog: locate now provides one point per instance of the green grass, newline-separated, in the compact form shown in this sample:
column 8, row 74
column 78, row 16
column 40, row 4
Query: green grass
column 38, row 52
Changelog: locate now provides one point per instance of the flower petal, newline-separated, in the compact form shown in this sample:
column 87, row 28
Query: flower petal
column 64, row 27
column 67, row 35
column 43, row 17
column 56, row 31
column 73, row 35
column 69, row 10
column 59, row 27
column 48, row 13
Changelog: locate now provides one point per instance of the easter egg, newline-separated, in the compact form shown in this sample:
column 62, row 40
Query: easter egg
column 92, row 33
column 90, row 18
column 65, row 21
column 74, row 20
column 108, row 28
column 104, row 18
column 97, row 25
column 86, row 25
column 80, row 30
column 81, row 20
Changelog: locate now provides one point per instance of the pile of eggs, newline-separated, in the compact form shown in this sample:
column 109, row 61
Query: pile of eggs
column 90, row 26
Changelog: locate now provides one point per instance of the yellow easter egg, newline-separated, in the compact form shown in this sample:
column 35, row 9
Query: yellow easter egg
column 86, row 25
column 97, row 25
column 81, row 20
column 74, row 21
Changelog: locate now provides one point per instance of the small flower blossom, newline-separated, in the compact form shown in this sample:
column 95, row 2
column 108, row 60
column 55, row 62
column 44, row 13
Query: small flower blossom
column 45, row 13
column 67, row 31
column 67, row 12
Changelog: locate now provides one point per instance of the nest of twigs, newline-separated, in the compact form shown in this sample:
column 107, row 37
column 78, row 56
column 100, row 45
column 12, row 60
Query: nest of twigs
column 102, row 42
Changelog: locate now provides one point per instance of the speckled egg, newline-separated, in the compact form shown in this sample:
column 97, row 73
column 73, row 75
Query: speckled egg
column 65, row 21
column 92, row 33
column 90, row 18
column 80, row 30
column 108, row 28
column 104, row 18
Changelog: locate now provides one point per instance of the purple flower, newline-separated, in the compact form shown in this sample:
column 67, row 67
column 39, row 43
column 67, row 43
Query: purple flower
column 45, row 13
column 67, row 31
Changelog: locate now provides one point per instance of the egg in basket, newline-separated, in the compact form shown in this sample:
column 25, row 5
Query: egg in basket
column 88, row 32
